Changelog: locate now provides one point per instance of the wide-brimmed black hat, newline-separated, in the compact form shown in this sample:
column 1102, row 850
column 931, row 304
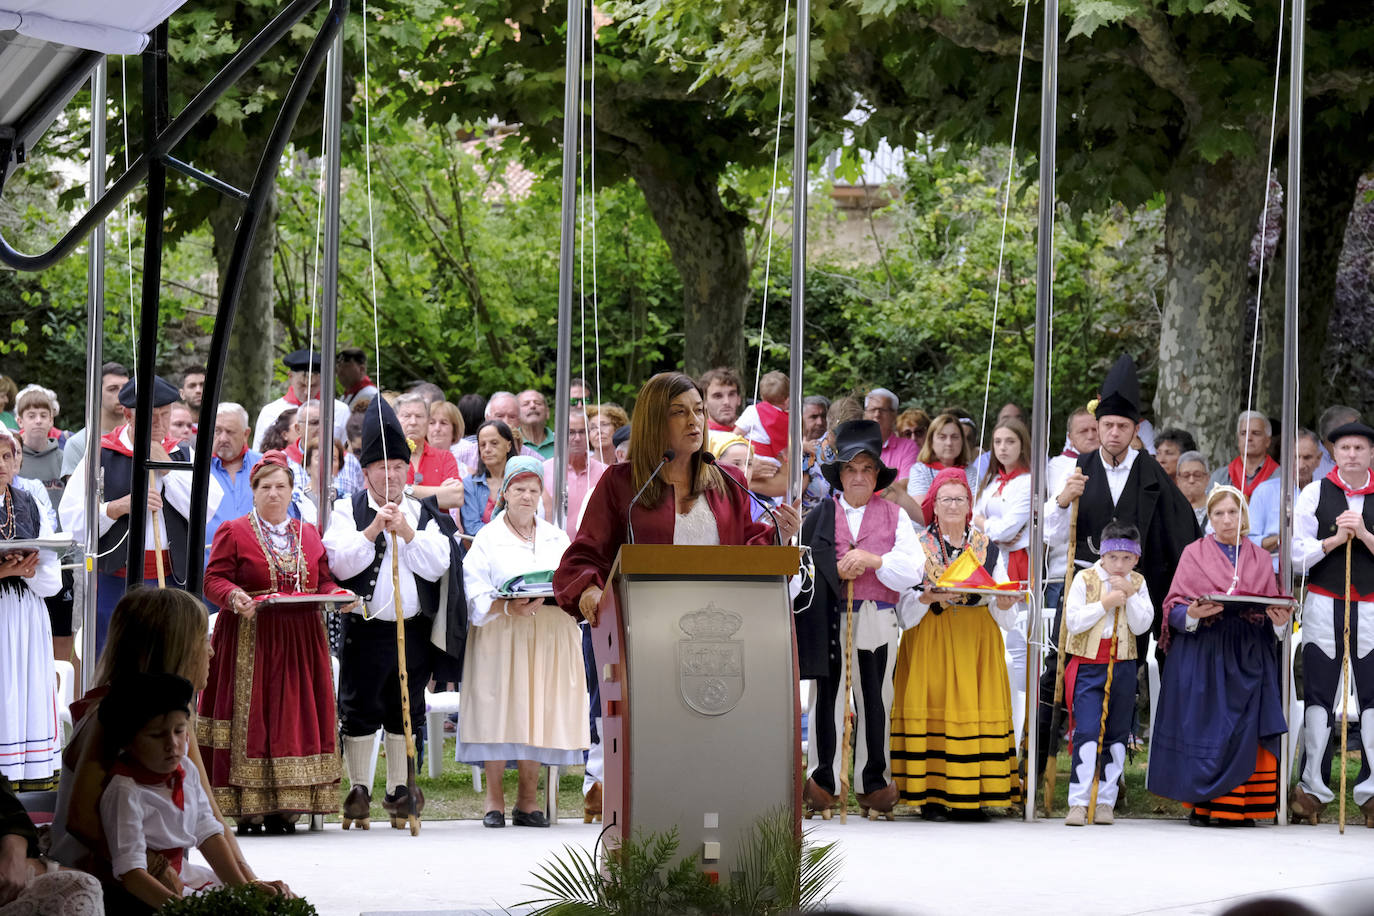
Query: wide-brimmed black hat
column 382, row 435
column 164, row 393
column 1120, row 391
column 854, row 438
column 1353, row 428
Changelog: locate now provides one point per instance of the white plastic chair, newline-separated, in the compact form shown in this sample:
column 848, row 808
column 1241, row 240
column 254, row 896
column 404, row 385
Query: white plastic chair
column 66, row 678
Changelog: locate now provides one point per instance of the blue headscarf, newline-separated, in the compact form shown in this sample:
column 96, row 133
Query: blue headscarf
column 516, row 467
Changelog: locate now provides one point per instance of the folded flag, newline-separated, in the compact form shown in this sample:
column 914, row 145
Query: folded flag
column 967, row 572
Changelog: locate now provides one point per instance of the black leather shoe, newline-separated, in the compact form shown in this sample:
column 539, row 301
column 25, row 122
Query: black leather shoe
column 1198, row 820
column 494, row 819
column 533, row 818
column 932, row 811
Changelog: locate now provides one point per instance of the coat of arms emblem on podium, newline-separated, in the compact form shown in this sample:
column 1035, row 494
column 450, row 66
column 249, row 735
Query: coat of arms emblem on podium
column 710, row 662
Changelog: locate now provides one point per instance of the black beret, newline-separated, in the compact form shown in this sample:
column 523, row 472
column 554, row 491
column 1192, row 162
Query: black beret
column 164, row 393
column 300, row 360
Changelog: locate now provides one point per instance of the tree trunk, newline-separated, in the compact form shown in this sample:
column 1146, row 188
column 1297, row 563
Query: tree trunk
column 1346, row 351
column 706, row 241
column 248, row 370
column 1209, row 221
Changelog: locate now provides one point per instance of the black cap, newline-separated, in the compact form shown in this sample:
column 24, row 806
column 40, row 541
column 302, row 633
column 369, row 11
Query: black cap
column 621, row 436
column 1120, row 391
column 382, row 435
column 136, row 699
column 300, row 360
column 854, row 438
column 1353, row 428
column 164, row 393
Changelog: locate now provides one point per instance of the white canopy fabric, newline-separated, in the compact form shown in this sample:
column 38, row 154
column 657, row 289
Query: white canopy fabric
column 107, row 26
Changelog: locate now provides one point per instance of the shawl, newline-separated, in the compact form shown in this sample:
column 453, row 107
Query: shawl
column 1205, row 569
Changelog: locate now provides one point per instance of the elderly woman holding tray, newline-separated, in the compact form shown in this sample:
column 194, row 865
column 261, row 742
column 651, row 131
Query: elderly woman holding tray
column 1215, row 741
column 266, row 726
column 524, row 687
column 953, row 750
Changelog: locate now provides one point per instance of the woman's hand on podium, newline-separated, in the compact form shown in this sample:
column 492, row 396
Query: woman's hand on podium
column 789, row 520
column 591, row 599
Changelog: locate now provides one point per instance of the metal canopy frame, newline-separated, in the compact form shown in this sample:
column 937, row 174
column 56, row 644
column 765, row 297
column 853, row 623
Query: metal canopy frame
column 161, row 136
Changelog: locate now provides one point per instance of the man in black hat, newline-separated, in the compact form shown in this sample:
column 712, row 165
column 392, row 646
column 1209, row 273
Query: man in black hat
column 362, row 531
column 1332, row 516
column 1116, row 482
column 868, row 544
column 302, row 384
column 169, row 504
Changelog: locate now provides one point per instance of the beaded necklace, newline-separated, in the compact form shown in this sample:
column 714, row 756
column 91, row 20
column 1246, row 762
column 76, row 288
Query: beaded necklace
column 284, row 554
column 10, row 520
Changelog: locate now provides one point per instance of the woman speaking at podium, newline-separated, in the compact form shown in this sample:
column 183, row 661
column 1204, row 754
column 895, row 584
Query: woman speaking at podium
column 671, row 491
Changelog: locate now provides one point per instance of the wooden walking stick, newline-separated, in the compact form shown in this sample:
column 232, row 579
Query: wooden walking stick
column 1056, row 719
column 1345, row 677
column 157, row 539
column 1101, row 765
column 843, row 782
column 412, row 817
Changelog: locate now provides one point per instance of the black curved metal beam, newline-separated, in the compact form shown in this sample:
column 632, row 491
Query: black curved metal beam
column 165, row 141
column 232, row 286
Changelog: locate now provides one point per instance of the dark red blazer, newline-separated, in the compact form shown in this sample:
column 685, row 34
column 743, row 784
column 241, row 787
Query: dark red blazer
column 237, row 561
column 588, row 561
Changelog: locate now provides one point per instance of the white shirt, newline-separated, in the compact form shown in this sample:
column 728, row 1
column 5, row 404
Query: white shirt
column 47, row 580
column 137, row 818
column 903, row 565
column 269, row 413
column 1057, row 517
column 350, row 553
column 1080, row 616
column 1057, row 473
column 1307, row 546
column 497, row 554
column 1007, row 509
column 175, row 487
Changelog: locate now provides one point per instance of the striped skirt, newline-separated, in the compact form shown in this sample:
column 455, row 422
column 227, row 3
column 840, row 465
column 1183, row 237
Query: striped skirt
column 952, row 738
column 1256, row 799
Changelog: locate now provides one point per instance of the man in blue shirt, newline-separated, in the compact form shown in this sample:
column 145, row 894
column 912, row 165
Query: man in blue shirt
column 231, row 465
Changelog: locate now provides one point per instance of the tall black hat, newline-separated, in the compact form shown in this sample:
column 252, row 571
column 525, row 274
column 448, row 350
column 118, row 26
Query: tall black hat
column 381, row 426
column 1120, row 391
column 164, row 393
column 854, row 438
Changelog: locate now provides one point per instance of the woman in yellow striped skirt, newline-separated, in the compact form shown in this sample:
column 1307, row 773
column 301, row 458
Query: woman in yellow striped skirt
column 953, row 750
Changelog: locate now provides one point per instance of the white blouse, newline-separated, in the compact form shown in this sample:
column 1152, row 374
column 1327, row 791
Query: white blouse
column 1007, row 510
column 498, row 553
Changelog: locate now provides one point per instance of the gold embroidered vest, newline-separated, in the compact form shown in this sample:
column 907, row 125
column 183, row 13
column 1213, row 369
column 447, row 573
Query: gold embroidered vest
column 1087, row 643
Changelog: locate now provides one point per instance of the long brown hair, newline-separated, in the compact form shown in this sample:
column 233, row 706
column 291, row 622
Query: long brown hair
column 154, row 631
column 1022, row 461
column 649, row 437
column 927, row 454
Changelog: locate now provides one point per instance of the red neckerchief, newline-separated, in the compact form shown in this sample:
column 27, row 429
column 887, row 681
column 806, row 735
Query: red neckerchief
column 237, row 457
column 114, row 441
column 1335, row 477
column 937, row 466
column 1236, row 469
column 716, row 427
column 290, row 396
column 1005, row 477
column 1069, row 453
column 358, row 387
column 293, row 451
column 140, row 774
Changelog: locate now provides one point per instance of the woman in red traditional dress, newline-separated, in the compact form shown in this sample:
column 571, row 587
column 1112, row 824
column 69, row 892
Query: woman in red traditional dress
column 266, row 726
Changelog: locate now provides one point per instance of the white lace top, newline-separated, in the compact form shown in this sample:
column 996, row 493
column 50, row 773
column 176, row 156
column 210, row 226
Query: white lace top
column 697, row 525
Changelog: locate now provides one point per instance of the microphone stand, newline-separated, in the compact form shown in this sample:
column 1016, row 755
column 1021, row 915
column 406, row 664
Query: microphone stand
column 768, row 510
column 668, row 456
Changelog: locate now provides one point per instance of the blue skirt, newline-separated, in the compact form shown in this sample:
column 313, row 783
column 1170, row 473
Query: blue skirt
column 1219, row 699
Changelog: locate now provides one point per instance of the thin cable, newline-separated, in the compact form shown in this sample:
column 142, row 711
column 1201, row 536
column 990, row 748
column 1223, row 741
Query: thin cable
column 1259, row 283
column 1002, row 241
column 768, row 227
column 128, row 215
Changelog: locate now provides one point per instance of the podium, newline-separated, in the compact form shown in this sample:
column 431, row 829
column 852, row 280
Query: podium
column 697, row 657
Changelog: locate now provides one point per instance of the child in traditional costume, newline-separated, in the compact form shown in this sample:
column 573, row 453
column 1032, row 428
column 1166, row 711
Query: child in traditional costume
column 150, row 805
column 1104, row 601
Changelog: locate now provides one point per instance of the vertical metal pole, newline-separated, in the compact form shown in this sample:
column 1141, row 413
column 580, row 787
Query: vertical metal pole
column 95, row 358
column 801, row 117
column 329, row 301
column 154, row 120
column 1040, row 420
column 1288, row 448
column 572, row 123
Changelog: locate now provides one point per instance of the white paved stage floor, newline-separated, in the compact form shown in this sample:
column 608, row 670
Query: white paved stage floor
column 1134, row 866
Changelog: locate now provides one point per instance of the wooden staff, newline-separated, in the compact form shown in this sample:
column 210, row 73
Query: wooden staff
column 1100, row 765
column 412, row 817
column 843, row 781
column 1056, row 719
column 157, row 539
column 1345, row 677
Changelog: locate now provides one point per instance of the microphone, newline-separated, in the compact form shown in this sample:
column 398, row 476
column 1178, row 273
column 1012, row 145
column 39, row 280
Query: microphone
column 708, row 458
column 668, row 455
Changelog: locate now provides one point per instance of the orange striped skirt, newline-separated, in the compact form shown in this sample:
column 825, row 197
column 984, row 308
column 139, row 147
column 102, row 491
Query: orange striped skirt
column 1256, row 799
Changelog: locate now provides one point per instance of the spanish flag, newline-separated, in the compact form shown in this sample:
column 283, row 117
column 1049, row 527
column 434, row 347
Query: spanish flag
column 967, row 572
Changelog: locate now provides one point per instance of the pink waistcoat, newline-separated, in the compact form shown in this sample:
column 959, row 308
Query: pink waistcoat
column 877, row 534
